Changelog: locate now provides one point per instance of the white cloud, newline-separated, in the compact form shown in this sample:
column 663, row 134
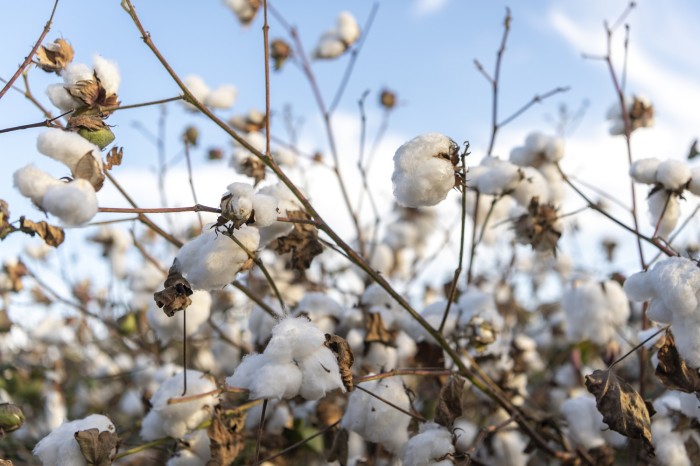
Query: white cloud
column 428, row 7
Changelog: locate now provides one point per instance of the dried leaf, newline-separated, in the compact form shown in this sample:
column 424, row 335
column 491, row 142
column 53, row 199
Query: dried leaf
column 5, row 463
column 376, row 331
column 450, row 402
column 88, row 169
column 693, row 151
column 226, row 439
column 5, row 227
column 176, row 295
column 52, row 235
column 98, row 448
column 114, row 157
column 15, row 272
column 603, row 455
column 339, row 449
column 55, row 56
column 623, row 410
column 302, row 242
column 343, row 354
column 253, row 167
column 673, row 371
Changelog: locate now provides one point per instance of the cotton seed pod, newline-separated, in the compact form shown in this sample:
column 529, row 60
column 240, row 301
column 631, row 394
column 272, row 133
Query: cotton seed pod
column 101, row 137
column 539, row 227
column 55, row 56
column 387, row 99
column 11, row 417
column 279, row 52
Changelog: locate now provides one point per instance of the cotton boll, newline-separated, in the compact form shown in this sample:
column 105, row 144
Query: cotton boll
column 180, row 418
column 686, row 331
column 474, row 302
column 323, row 310
column 465, row 432
column 494, row 176
column 239, row 205
column 285, row 157
column 375, row 420
column 423, row 171
column 212, row 260
column 320, row 374
column 378, row 357
column 294, row 338
column 75, row 203
column 199, row 89
column 644, row 170
column 532, row 184
column 673, row 174
column 664, row 212
column 60, row 448
column 108, row 73
column 347, row 28
column 222, row 97
column 638, row 287
column 33, row 183
column 197, row 451
column 266, row 211
column 669, row 445
column 260, row 323
column 595, row 310
column 286, row 202
column 67, row 147
column 152, row 427
column 428, row 447
column 76, row 72
column 266, row 378
column 509, row 447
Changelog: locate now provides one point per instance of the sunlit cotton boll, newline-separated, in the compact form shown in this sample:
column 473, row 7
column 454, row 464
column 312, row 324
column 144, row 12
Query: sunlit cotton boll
column 428, row 447
column 212, row 260
column 586, row 426
column 423, row 170
column 67, row 147
column 172, row 328
column 375, row 420
column 60, row 448
column 595, row 310
column 222, row 97
column 177, row 419
column 664, row 212
column 538, row 149
column 108, row 74
column 33, row 183
column 673, row 174
column 644, row 170
column 75, row 203
column 336, row 41
column 673, row 286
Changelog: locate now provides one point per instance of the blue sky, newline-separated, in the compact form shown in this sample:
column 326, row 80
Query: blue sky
column 422, row 49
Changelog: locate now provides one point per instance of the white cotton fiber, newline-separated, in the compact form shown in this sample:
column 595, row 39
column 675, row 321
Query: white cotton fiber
column 433, row 443
column 265, row 208
column 75, row 72
column 585, row 421
column 336, row 41
column 321, row 374
column 532, row 184
column 286, row 202
column 59, row 96
column 644, row 170
column 266, row 378
column 60, row 448
column 171, row 328
column 694, row 185
column 67, row 147
column 222, row 97
column 594, row 311
column 179, row 418
column 240, row 205
column 295, row 337
column 75, row 203
column 108, row 73
column 669, row 444
column 347, row 28
column 196, row 85
column 212, row 260
column 423, row 173
column 33, row 182
column 673, row 174
column 494, row 176
column 375, row 420
column 664, row 212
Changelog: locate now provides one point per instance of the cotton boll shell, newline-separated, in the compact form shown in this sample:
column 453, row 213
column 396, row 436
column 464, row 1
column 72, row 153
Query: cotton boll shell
column 100, row 137
column 33, row 183
column 644, row 170
column 673, row 174
column 75, row 203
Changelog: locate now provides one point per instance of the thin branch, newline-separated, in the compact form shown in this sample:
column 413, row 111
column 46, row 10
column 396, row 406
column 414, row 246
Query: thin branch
column 28, row 58
column 535, row 100
column 261, row 427
column 46, row 123
column 159, row 210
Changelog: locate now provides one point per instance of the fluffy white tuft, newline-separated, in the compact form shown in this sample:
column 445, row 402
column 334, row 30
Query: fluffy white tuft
column 67, row 147
column 60, row 448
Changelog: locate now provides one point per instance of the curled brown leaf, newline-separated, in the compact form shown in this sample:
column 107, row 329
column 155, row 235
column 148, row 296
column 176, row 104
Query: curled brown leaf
column 52, row 235
column 302, row 242
column 672, row 369
column 54, row 56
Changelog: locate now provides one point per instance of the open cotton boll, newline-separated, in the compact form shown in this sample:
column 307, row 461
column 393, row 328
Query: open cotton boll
column 673, row 174
column 212, row 260
column 532, row 184
column 423, row 170
column 199, row 89
column 465, row 432
column 329, row 46
column 33, row 183
column 67, row 147
column 238, row 205
column 286, row 202
column 669, row 445
column 75, row 203
column 320, row 374
column 427, row 448
column 323, row 310
column 495, row 177
column 594, row 311
column 60, row 448
column 108, row 73
column 172, row 328
column 476, row 303
column 76, row 72
column 644, row 170
column 375, row 420
column 664, row 212
column 222, row 97
column 179, row 418
column 194, row 450
column 61, row 99
column 294, row 337
column 347, row 28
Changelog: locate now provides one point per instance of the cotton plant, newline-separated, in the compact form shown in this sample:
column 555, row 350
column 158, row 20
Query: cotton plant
column 336, row 41
column 424, row 170
column 595, row 311
column 668, row 179
column 247, row 163
column 672, row 285
column 542, row 152
column 223, row 97
column 61, row 448
column 375, row 420
column 182, row 417
column 242, row 206
column 296, row 361
column 640, row 113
